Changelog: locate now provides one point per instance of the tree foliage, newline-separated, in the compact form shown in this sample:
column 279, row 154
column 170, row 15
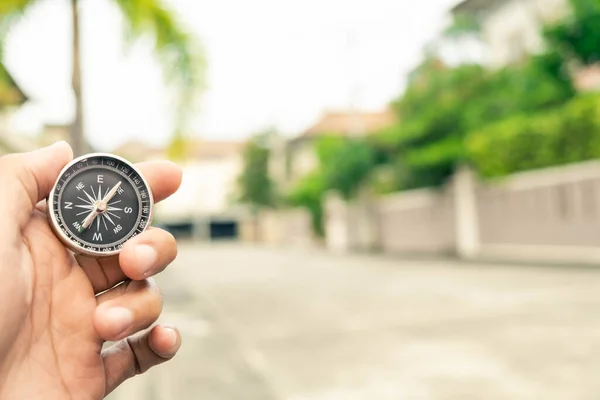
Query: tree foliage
column 308, row 193
column 442, row 104
column 345, row 163
column 177, row 51
column 577, row 37
column 501, row 120
column 560, row 135
column 255, row 185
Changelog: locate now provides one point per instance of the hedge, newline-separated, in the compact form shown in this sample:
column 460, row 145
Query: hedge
column 562, row 135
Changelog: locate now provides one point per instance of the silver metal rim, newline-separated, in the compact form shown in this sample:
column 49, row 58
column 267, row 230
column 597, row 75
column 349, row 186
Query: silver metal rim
column 55, row 225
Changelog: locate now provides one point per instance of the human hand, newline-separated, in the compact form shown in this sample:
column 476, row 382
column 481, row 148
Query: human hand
column 57, row 310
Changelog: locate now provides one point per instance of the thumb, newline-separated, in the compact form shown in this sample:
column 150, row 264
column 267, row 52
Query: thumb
column 29, row 177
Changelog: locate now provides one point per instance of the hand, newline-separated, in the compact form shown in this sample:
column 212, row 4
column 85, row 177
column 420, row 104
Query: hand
column 57, row 310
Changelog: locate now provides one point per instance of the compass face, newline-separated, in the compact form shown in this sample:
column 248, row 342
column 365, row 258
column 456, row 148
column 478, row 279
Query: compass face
column 98, row 203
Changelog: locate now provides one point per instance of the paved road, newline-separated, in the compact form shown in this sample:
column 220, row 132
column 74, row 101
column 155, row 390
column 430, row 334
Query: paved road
column 304, row 325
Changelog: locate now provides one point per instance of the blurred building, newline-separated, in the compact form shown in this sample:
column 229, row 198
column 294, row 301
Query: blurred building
column 137, row 151
column 301, row 157
column 11, row 99
column 204, row 206
column 512, row 28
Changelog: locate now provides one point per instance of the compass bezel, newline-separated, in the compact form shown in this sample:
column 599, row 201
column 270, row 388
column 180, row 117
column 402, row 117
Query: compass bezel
column 55, row 225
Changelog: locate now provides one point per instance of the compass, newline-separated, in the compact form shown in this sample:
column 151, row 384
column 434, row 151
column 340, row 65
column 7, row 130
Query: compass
column 98, row 203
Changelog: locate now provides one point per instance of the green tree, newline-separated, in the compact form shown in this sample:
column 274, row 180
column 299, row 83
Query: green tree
column 577, row 37
column 442, row 105
column 560, row 135
column 175, row 48
column 255, row 185
column 346, row 163
column 309, row 193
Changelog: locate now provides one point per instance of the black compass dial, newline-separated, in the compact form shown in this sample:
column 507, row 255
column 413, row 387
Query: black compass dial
column 99, row 202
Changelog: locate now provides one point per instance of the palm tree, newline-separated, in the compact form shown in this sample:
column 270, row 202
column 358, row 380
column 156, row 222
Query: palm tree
column 175, row 48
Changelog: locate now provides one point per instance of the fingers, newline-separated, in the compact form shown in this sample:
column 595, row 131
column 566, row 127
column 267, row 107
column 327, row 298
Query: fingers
column 164, row 178
column 27, row 178
column 147, row 254
column 127, row 309
column 141, row 257
column 157, row 248
column 137, row 354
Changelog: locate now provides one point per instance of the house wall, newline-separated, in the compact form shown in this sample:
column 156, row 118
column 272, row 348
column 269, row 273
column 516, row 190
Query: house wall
column 207, row 188
column 419, row 221
column 303, row 160
column 287, row 227
column 546, row 215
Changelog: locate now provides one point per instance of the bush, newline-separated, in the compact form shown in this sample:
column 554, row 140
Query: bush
column 308, row 193
column 442, row 105
column 566, row 134
column 346, row 163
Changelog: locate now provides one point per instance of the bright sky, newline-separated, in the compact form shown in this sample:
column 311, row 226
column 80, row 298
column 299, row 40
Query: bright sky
column 270, row 63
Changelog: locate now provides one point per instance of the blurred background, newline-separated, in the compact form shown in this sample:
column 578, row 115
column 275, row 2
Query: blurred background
column 382, row 199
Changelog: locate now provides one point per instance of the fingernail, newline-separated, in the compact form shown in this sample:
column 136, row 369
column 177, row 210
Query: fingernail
column 121, row 318
column 172, row 334
column 146, row 255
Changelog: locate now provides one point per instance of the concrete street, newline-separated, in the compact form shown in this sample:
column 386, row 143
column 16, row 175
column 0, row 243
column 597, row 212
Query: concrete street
column 275, row 324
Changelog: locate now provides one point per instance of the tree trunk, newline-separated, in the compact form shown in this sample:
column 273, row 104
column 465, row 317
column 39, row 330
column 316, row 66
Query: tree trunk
column 76, row 134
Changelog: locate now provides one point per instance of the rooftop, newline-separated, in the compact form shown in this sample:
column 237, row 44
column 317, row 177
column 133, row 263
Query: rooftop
column 136, row 150
column 348, row 123
column 199, row 149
